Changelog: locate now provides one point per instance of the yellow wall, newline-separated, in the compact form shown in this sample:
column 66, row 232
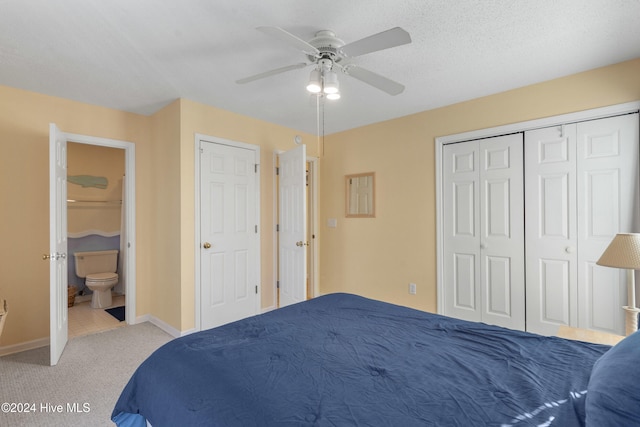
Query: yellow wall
column 94, row 160
column 379, row 257
column 165, row 218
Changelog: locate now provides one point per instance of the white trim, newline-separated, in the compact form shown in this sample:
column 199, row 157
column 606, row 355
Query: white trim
column 164, row 326
column 161, row 324
column 86, row 233
column 274, row 250
column 130, row 210
column 315, row 181
column 198, row 137
column 24, row 346
column 579, row 116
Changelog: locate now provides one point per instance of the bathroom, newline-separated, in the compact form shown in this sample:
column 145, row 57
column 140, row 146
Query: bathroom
column 95, row 177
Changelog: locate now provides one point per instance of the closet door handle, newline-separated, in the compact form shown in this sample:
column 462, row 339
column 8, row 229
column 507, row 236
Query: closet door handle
column 206, row 245
column 570, row 249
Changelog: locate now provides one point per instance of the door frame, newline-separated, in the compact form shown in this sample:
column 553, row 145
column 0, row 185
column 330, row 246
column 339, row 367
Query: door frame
column 130, row 212
column 198, row 138
column 130, row 230
column 591, row 114
column 313, row 228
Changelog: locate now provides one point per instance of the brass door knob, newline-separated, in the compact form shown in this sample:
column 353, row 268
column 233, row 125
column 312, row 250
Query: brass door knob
column 206, row 245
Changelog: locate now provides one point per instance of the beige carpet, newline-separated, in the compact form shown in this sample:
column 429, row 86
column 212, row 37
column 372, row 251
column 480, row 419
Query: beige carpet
column 86, row 383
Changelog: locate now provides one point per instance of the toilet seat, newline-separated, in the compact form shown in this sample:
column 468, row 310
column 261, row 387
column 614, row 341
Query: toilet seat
column 102, row 277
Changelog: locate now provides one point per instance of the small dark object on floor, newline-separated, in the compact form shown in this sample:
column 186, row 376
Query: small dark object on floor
column 117, row 312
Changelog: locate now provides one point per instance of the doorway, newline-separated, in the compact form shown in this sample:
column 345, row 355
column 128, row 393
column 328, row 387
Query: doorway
column 95, row 184
column 58, row 255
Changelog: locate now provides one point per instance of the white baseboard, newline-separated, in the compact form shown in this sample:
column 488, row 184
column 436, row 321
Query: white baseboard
column 164, row 326
column 24, row 346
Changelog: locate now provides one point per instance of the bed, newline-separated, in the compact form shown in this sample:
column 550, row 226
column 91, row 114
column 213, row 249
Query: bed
column 342, row 359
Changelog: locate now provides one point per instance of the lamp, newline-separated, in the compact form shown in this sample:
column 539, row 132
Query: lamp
column 330, row 82
column 315, row 82
column 624, row 252
column 323, row 80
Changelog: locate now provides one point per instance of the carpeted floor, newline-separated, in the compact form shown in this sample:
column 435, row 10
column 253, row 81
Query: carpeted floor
column 86, row 382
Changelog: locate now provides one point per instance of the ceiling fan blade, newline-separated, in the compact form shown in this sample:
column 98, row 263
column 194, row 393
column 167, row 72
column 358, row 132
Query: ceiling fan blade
column 289, row 38
column 384, row 40
column 375, row 80
column 271, row 73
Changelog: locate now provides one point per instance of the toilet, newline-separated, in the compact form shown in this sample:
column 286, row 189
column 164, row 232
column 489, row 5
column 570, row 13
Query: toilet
column 99, row 270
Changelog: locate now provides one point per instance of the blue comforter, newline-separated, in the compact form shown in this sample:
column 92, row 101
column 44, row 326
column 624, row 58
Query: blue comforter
column 341, row 360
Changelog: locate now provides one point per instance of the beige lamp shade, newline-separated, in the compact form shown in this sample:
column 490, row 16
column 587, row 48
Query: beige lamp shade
column 622, row 252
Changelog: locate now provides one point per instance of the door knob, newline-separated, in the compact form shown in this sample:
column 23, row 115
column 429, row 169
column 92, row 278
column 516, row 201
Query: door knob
column 301, row 243
column 55, row 256
column 570, row 249
column 206, row 245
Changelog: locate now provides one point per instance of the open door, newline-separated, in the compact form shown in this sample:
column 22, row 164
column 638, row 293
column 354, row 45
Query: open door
column 57, row 256
column 292, row 212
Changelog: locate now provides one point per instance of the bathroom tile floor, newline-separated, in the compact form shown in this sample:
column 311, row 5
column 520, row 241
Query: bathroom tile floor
column 84, row 320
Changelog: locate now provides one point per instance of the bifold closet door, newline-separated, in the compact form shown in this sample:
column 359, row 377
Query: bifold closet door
column 484, row 230
column 581, row 189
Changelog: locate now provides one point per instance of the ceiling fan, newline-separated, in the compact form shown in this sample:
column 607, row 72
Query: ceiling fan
column 328, row 53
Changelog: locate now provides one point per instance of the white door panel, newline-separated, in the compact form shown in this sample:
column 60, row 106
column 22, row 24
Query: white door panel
column 292, row 244
column 58, row 308
column 551, row 244
column 464, row 282
column 607, row 192
column 581, row 189
column 483, row 254
column 502, row 230
column 229, row 241
column 461, row 273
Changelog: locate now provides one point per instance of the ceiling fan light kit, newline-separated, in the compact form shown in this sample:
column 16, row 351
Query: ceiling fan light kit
column 315, row 82
column 328, row 53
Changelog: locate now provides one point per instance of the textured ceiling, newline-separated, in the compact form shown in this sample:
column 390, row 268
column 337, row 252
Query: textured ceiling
column 139, row 55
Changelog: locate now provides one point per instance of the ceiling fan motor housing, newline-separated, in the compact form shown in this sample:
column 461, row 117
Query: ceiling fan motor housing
column 329, row 46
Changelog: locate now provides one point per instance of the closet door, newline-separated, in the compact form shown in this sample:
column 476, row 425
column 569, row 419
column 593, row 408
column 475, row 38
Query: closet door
column 607, row 199
column 551, row 244
column 461, row 275
column 581, row 189
column 484, row 230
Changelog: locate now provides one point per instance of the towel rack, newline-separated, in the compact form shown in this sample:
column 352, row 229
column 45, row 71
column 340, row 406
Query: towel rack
column 94, row 201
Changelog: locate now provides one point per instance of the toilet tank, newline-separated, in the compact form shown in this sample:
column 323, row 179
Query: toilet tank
column 96, row 262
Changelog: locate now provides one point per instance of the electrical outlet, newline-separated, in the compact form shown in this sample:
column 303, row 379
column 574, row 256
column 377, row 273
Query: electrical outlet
column 412, row 288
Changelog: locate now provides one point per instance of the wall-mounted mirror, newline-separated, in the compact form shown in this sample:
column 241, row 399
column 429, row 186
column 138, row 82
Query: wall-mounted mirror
column 360, row 195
